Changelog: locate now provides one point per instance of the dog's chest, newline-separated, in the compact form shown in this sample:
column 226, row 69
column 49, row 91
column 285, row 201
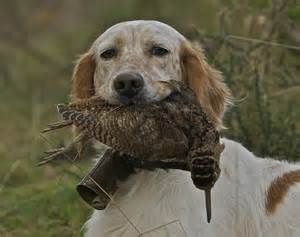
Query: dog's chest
column 156, row 203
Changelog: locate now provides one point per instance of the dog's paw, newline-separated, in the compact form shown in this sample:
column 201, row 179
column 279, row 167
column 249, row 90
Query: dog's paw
column 205, row 171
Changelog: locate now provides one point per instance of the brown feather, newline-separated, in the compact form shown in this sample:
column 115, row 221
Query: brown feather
column 173, row 133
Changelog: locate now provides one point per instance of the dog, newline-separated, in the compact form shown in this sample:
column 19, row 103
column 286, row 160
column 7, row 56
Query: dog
column 253, row 196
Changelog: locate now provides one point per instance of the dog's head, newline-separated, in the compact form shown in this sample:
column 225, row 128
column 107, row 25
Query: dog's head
column 130, row 62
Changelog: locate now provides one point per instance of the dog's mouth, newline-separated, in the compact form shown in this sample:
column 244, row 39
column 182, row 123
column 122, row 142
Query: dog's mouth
column 164, row 90
column 136, row 100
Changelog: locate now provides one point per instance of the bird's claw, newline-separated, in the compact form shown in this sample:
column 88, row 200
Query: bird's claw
column 204, row 171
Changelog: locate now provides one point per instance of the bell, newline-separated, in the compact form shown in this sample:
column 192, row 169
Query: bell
column 100, row 184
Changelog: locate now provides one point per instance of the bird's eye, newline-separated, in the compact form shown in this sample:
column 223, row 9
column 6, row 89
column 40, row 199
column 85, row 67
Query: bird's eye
column 158, row 51
column 109, row 53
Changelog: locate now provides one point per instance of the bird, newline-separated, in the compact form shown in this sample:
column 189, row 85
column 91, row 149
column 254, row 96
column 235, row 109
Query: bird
column 173, row 133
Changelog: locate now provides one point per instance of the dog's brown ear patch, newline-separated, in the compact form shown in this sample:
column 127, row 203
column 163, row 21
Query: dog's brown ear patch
column 83, row 77
column 82, row 87
column 205, row 81
column 279, row 188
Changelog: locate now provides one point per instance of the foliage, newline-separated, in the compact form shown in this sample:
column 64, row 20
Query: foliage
column 261, row 76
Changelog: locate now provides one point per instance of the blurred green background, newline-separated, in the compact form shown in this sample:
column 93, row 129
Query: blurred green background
column 39, row 41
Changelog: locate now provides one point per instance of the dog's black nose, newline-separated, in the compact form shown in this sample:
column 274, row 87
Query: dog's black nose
column 128, row 84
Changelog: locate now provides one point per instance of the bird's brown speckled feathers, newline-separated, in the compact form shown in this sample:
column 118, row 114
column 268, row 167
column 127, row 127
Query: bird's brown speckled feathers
column 174, row 131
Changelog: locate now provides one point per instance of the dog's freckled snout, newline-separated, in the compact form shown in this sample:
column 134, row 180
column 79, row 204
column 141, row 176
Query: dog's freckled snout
column 128, row 84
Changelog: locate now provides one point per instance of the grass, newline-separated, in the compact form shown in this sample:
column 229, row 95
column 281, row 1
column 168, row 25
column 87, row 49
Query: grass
column 43, row 206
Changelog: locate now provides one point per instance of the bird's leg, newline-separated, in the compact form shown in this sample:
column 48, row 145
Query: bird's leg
column 208, row 204
column 205, row 172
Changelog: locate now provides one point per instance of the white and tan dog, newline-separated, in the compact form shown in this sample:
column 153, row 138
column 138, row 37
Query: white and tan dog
column 253, row 196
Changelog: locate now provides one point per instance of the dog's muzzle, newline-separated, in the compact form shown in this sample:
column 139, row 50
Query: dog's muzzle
column 128, row 86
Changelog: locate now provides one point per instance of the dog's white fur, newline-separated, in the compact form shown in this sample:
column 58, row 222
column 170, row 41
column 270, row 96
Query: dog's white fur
column 153, row 198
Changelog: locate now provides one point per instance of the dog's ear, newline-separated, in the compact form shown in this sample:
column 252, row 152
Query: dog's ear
column 82, row 88
column 205, row 81
column 83, row 77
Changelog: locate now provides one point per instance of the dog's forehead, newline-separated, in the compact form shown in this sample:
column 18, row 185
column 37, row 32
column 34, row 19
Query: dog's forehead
column 152, row 30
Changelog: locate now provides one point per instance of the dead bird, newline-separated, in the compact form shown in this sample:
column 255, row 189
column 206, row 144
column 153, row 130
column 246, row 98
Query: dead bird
column 172, row 133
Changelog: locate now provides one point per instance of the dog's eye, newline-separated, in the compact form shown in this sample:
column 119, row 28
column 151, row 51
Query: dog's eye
column 158, row 51
column 109, row 53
